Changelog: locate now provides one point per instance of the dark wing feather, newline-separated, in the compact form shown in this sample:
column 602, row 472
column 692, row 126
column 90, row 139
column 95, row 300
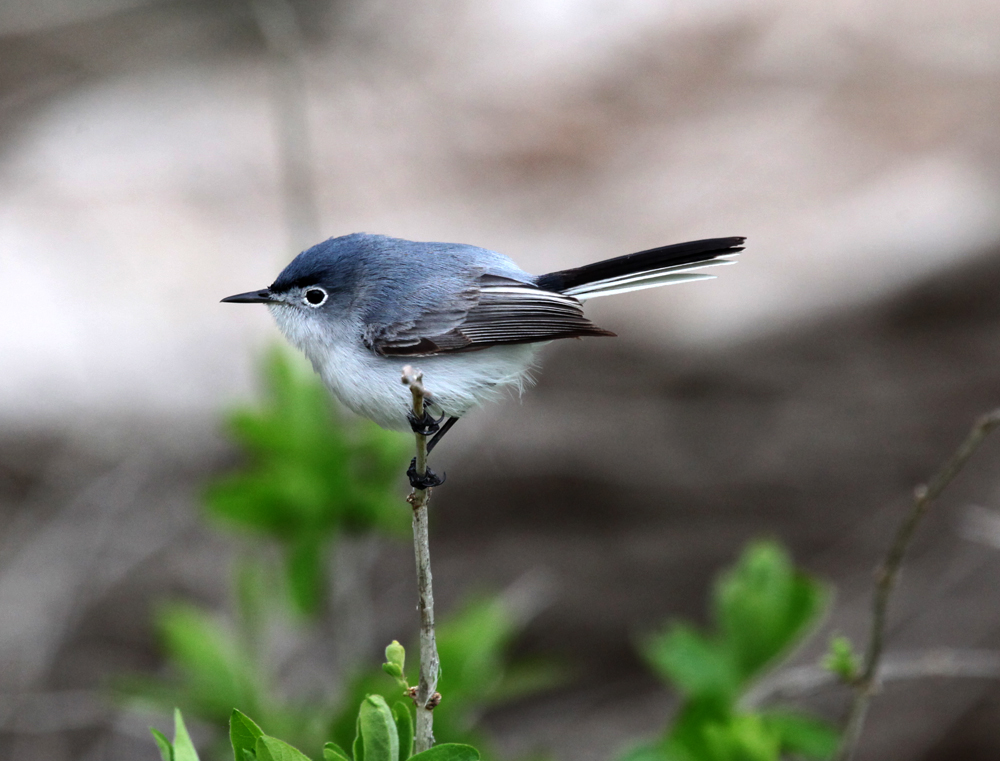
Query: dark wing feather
column 497, row 311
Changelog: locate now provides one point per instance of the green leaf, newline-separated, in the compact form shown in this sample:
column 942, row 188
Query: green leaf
column 166, row 749
column 404, row 729
column 333, row 752
column 395, row 653
column 395, row 660
column 243, row 734
column 378, row 730
column 273, row 749
column 249, row 755
column 359, row 741
column 694, row 664
column 308, row 476
column 687, row 740
column 183, row 747
column 216, row 671
column 803, row 735
column 741, row 738
column 841, row 659
column 764, row 606
column 308, row 473
column 448, row 752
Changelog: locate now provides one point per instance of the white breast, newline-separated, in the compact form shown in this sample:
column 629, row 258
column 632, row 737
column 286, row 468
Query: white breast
column 371, row 385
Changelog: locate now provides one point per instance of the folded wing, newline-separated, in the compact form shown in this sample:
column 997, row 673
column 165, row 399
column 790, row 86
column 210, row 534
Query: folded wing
column 497, row 311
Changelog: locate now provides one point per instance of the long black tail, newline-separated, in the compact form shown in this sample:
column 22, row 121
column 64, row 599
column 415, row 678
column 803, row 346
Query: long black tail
column 645, row 269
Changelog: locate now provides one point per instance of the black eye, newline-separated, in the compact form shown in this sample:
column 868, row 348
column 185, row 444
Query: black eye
column 315, row 296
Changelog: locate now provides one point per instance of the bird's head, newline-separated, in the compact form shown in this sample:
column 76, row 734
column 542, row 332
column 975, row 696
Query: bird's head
column 313, row 294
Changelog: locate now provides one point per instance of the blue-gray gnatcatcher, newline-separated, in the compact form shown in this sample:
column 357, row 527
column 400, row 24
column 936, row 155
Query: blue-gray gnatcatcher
column 362, row 306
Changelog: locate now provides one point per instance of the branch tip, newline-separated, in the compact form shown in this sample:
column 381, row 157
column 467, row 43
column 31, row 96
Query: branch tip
column 413, row 378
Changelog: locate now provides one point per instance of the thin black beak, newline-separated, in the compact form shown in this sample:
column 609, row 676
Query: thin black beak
column 253, row 297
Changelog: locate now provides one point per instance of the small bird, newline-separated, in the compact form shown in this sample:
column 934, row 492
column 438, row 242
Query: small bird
column 362, row 306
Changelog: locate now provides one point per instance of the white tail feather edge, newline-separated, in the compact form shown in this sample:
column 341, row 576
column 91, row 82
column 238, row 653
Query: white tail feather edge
column 584, row 292
column 649, row 279
column 676, row 269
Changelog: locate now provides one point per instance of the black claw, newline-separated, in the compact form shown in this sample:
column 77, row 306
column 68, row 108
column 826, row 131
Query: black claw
column 426, row 425
column 427, row 480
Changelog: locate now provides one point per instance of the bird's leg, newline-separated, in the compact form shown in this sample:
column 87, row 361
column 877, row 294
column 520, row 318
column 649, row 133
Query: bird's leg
column 425, row 427
column 440, row 434
column 430, row 477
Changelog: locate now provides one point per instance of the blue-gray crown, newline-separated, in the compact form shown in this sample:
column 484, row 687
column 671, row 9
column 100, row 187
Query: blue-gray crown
column 323, row 263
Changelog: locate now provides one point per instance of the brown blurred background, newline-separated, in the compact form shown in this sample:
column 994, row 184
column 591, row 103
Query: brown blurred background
column 156, row 156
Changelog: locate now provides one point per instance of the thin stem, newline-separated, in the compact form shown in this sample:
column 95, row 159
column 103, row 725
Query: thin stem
column 951, row 663
column 426, row 697
column 924, row 495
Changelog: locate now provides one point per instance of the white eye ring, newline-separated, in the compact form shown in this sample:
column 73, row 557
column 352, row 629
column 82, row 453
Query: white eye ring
column 310, row 294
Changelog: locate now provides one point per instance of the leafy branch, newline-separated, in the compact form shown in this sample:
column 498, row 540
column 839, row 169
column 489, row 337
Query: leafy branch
column 762, row 609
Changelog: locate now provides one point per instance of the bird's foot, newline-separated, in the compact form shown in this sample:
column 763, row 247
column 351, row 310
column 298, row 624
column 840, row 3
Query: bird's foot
column 426, row 425
column 427, row 480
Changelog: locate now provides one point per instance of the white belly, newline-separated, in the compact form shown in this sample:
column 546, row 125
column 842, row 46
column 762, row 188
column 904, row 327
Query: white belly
column 372, row 386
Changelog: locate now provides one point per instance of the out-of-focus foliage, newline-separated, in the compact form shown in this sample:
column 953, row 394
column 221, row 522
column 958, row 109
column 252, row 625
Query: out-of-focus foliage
column 475, row 672
column 308, row 475
column 379, row 736
column 214, row 667
column 842, row 660
column 475, row 644
column 308, row 478
column 761, row 609
column 214, row 670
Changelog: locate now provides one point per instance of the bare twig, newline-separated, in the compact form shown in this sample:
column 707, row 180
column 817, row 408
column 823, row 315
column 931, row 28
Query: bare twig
column 426, row 697
column 924, row 495
column 939, row 662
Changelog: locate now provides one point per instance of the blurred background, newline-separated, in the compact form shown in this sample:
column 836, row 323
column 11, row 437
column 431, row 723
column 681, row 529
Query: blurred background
column 157, row 155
